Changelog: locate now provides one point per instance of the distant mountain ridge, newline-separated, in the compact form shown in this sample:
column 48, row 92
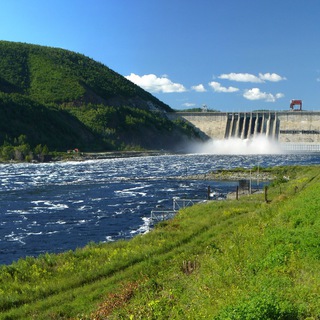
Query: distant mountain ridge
column 64, row 99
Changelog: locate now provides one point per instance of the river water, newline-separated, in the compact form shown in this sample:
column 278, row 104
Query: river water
column 60, row 206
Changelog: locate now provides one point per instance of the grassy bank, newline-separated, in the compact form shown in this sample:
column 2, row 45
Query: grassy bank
column 245, row 259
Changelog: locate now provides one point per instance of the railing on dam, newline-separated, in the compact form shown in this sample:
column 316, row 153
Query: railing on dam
column 300, row 147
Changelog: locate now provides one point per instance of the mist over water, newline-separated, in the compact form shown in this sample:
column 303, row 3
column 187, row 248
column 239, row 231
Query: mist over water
column 237, row 146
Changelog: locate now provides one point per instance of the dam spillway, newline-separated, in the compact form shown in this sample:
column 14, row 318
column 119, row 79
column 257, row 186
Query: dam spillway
column 295, row 130
column 246, row 125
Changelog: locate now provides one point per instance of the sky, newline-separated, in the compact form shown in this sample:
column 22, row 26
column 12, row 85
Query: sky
column 227, row 55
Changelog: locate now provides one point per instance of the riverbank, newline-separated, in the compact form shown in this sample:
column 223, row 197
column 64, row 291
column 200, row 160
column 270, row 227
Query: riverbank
column 230, row 175
column 245, row 259
column 84, row 156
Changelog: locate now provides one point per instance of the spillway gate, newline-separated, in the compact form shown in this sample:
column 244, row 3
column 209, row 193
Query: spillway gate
column 245, row 125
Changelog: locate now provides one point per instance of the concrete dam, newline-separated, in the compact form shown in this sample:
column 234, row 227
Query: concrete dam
column 294, row 130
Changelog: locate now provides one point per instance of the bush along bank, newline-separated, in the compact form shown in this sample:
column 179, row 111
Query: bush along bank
column 245, row 259
column 20, row 150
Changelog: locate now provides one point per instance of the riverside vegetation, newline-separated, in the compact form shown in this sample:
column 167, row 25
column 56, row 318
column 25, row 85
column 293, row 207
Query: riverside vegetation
column 245, row 259
column 64, row 100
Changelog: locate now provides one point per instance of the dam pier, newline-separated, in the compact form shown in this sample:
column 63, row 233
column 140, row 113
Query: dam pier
column 294, row 130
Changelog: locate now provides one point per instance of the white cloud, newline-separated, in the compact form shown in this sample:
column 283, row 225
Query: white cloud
column 216, row 86
column 279, row 95
column 273, row 77
column 240, row 77
column 188, row 104
column 256, row 94
column 199, row 88
column 247, row 77
column 152, row 83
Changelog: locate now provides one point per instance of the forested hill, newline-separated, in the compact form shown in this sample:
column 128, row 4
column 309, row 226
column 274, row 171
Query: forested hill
column 63, row 99
column 56, row 75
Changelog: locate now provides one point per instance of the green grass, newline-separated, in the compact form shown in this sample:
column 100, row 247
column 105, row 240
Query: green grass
column 244, row 259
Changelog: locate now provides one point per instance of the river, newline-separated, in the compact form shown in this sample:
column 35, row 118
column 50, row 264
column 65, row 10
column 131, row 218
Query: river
column 60, row 206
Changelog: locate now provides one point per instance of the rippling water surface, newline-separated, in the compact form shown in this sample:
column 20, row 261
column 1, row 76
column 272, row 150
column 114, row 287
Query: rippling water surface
column 60, row 206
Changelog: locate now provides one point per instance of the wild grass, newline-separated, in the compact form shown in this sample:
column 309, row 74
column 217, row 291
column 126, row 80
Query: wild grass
column 245, row 259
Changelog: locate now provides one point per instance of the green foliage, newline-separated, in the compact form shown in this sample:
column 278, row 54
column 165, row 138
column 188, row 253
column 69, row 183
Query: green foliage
column 14, row 75
column 197, row 110
column 21, row 150
column 49, row 82
column 261, row 306
column 243, row 259
column 57, row 129
column 122, row 127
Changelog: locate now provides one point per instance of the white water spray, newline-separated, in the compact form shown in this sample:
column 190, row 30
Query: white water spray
column 256, row 145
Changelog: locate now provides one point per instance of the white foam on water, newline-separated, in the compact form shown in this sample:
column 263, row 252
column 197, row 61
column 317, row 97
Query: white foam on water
column 185, row 186
column 15, row 238
column 237, row 146
column 133, row 191
column 33, row 224
column 58, row 206
column 61, row 222
column 144, row 228
column 56, row 222
column 84, row 208
column 124, row 210
column 80, row 222
column 49, row 205
column 20, row 212
column 34, row 233
column 109, row 239
column 52, row 232
column 37, row 202
column 168, row 189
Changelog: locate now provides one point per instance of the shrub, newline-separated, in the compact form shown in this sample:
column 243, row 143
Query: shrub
column 262, row 307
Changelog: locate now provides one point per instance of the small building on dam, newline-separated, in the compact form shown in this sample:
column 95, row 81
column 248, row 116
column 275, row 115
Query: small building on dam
column 294, row 130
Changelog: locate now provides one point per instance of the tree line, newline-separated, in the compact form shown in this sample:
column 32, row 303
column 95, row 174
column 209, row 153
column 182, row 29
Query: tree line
column 18, row 149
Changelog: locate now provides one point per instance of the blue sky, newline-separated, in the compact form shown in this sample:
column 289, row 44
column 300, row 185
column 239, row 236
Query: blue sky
column 230, row 55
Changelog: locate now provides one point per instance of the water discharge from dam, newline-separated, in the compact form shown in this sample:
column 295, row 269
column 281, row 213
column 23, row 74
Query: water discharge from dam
column 255, row 145
column 247, row 133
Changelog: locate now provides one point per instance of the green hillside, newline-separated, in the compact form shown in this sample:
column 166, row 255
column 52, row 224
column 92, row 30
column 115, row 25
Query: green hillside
column 247, row 259
column 63, row 99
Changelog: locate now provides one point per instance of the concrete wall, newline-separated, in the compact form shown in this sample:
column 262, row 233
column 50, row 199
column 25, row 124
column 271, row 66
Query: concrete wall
column 212, row 124
column 288, row 127
column 299, row 127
